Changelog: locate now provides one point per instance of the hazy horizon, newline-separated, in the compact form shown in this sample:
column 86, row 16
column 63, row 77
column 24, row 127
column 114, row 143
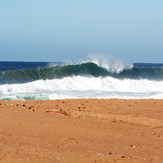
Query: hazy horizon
column 69, row 30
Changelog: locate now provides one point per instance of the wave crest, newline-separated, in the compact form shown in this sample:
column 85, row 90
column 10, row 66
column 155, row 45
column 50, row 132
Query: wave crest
column 110, row 63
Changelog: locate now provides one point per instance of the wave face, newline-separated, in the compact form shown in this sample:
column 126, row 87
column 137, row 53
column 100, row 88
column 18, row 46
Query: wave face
column 86, row 79
column 58, row 71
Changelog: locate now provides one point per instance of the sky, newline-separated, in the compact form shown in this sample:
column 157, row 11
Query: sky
column 59, row 30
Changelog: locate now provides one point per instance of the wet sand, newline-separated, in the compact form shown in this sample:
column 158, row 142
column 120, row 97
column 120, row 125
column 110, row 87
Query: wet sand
column 81, row 131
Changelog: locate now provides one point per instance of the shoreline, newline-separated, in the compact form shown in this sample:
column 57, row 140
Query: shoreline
column 81, row 130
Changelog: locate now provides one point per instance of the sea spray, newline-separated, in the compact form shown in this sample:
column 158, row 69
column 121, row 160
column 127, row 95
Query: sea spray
column 111, row 63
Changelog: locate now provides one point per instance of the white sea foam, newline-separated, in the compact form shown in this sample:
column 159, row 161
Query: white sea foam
column 84, row 87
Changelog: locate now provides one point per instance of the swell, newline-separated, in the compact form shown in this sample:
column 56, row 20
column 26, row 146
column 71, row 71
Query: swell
column 9, row 65
column 25, row 75
column 142, row 73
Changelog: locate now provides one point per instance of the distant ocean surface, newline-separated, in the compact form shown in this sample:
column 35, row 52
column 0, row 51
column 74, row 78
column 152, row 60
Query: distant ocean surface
column 93, row 78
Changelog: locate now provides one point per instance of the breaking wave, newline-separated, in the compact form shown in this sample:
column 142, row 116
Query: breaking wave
column 94, row 77
column 84, row 69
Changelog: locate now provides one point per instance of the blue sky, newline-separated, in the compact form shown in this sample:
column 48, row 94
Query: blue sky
column 50, row 30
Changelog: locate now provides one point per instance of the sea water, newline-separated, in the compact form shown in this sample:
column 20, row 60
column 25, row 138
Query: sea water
column 91, row 78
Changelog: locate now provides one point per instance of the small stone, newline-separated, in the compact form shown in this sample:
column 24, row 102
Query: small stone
column 133, row 146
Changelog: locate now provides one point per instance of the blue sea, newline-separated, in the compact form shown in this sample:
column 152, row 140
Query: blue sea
column 91, row 78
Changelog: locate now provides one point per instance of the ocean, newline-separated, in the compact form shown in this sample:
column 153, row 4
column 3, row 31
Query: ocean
column 92, row 78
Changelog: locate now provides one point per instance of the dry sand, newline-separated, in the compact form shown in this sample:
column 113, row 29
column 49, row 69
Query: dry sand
column 81, row 131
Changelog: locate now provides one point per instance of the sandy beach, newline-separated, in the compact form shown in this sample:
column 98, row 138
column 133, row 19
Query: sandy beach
column 81, row 131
